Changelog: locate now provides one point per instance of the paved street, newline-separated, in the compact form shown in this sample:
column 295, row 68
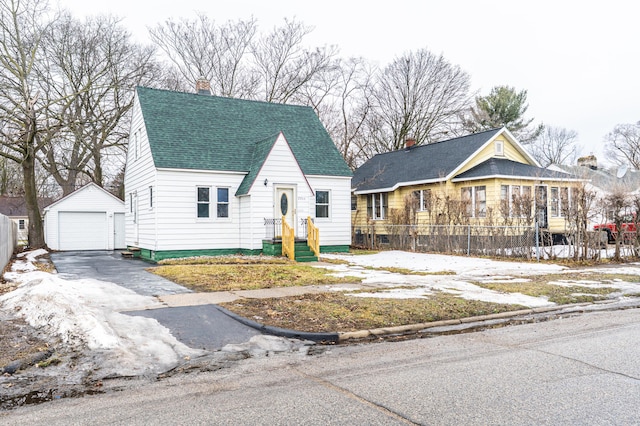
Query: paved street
column 578, row 370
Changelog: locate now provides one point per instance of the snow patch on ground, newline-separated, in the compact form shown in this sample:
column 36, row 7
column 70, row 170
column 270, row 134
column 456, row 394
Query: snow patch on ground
column 463, row 271
column 85, row 314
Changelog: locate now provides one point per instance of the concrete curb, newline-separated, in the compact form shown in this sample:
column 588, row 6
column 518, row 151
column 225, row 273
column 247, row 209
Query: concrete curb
column 325, row 338
column 431, row 328
column 481, row 321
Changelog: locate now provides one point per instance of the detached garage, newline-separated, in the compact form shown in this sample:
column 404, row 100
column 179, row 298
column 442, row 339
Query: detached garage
column 88, row 219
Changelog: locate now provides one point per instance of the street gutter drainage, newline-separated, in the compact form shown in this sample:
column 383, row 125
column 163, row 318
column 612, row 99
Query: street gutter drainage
column 439, row 327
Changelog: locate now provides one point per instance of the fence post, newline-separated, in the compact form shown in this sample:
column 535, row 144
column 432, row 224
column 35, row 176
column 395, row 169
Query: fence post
column 537, row 243
column 469, row 240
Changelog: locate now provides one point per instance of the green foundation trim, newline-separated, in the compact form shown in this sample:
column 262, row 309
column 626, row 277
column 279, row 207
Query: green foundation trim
column 157, row 256
column 334, row 249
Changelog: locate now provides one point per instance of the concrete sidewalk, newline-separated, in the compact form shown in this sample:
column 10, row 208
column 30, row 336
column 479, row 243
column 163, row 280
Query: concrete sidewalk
column 197, row 299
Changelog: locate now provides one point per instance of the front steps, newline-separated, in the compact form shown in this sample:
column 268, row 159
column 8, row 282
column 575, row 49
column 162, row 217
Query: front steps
column 302, row 251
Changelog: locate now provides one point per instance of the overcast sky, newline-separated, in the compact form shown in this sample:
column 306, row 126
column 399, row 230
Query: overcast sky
column 578, row 60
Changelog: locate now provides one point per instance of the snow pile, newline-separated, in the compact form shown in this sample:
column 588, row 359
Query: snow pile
column 84, row 314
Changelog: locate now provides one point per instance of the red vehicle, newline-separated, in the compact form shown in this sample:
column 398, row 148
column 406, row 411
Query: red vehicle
column 628, row 228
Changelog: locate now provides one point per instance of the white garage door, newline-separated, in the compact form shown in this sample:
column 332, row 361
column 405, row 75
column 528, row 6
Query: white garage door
column 82, row 230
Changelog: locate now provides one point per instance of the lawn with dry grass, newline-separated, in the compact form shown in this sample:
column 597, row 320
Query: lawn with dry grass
column 330, row 312
column 247, row 276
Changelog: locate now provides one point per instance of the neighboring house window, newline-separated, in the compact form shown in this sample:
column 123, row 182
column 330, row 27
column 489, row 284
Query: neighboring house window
column 480, row 201
column 223, row 202
column 354, row 202
column 466, row 196
column 555, row 201
column 21, row 224
column 203, row 201
column 565, row 201
column 505, row 205
column 377, row 205
column 322, row 203
column 499, row 147
column 151, row 197
column 423, row 198
column 475, row 200
column 515, row 201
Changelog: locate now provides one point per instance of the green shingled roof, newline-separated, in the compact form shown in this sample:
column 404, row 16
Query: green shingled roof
column 202, row 132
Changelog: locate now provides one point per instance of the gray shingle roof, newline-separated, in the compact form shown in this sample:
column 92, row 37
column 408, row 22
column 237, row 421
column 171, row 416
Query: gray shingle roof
column 421, row 163
column 494, row 167
column 201, row 132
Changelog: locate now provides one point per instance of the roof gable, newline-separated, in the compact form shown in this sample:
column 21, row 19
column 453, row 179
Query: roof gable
column 85, row 188
column 201, row 132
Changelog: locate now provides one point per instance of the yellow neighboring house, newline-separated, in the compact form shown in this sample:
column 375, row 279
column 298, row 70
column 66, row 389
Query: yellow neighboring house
column 486, row 178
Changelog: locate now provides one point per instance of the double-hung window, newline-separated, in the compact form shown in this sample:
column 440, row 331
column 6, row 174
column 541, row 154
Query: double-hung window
column 223, row 202
column 423, row 199
column 377, row 205
column 203, row 201
column 322, row 204
column 474, row 199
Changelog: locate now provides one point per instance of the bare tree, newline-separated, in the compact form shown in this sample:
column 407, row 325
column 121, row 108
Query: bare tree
column 420, row 95
column 24, row 97
column 10, row 178
column 221, row 54
column 555, row 145
column 617, row 205
column 96, row 67
column 623, row 145
column 285, row 66
column 346, row 107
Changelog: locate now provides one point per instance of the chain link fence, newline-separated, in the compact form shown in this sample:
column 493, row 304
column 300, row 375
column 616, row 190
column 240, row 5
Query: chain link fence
column 525, row 242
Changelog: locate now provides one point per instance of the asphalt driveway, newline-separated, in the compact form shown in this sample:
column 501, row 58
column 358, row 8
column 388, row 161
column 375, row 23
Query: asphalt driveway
column 112, row 267
column 200, row 327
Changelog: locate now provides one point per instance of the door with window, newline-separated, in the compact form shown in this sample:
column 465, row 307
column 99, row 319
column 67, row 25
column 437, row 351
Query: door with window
column 285, row 205
column 541, row 206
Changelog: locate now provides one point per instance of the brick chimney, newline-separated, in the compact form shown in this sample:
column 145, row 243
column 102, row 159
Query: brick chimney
column 203, row 87
column 409, row 143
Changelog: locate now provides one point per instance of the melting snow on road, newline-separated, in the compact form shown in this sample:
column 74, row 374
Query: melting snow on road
column 86, row 313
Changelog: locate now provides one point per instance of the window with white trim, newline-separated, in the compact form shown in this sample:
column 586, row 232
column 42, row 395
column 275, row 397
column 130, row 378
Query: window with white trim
column 423, row 199
column 21, row 224
column 555, row 201
column 151, row 197
column 499, row 148
column 474, row 198
column 322, row 204
column 515, row 200
column 377, row 205
column 203, row 201
column 222, row 205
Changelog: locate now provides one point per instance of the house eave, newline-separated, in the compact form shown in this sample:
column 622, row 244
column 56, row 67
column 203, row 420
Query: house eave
column 398, row 185
column 511, row 177
column 216, row 172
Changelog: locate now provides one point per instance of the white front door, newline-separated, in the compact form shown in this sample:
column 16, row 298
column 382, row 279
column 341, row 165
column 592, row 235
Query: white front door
column 285, row 205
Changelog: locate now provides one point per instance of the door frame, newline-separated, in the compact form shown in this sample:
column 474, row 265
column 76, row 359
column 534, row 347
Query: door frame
column 278, row 190
column 541, row 208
